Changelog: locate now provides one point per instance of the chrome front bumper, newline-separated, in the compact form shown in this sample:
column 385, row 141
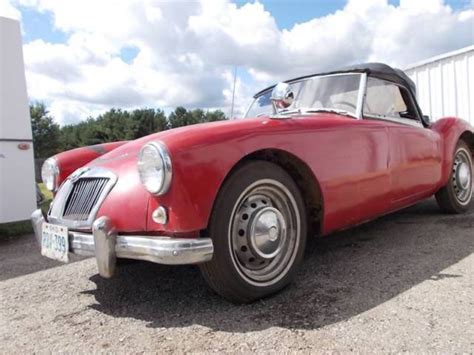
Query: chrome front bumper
column 106, row 245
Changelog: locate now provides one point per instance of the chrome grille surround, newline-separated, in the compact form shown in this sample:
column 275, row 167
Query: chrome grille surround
column 80, row 197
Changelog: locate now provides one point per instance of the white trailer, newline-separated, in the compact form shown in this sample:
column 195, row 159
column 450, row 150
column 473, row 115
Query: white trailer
column 445, row 84
column 17, row 177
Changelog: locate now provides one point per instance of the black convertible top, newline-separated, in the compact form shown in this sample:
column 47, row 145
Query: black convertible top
column 376, row 70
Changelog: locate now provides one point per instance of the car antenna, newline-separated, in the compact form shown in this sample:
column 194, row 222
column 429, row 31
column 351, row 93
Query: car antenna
column 233, row 94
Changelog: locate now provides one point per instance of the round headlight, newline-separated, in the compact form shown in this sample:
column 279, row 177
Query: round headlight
column 154, row 167
column 49, row 174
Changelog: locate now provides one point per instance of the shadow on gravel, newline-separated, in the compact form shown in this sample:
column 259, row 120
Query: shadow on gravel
column 20, row 255
column 342, row 276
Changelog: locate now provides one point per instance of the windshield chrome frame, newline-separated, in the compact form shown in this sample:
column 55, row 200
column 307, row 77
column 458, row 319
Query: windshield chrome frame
column 360, row 95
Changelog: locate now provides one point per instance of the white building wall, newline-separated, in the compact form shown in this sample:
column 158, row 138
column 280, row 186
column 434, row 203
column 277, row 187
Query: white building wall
column 445, row 84
column 17, row 179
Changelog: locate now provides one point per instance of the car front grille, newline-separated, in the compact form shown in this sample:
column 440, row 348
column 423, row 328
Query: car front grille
column 84, row 195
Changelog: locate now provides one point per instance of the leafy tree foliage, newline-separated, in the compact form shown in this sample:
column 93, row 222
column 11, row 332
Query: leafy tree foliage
column 114, row 125
column 46, row 133
column 181, row 117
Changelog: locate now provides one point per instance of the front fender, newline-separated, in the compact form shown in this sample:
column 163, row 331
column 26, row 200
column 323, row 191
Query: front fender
column 450, row 129
column 198, row 175
column 202, row 159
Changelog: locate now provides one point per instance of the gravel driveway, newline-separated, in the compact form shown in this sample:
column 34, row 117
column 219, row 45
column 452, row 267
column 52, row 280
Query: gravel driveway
column 402, row 283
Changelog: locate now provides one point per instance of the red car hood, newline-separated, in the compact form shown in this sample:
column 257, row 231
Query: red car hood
column 185, row 137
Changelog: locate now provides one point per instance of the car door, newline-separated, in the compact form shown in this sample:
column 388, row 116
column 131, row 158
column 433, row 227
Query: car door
column 354, row 172
column 414, row 160
column 349, row 156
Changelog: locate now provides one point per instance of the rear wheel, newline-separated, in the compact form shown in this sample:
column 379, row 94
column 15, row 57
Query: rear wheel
column 456, row 195
column 258, row 227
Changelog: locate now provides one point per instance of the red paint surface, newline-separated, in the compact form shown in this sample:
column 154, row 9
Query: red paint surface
column 24, row 146
column 73, row 159
column 365, row 168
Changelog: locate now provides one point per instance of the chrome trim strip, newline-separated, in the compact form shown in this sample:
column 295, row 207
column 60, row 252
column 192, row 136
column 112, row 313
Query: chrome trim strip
column 165, row 155
column 167, row 166
column 304, row 78
column 361, row 95
column 157, row 249
column 58, row 205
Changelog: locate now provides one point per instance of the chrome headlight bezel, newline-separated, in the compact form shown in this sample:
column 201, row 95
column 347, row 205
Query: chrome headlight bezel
column 50, row 174
column 154, row 167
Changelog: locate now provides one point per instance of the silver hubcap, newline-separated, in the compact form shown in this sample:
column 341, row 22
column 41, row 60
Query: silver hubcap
column 462, row 177
column 264, row 232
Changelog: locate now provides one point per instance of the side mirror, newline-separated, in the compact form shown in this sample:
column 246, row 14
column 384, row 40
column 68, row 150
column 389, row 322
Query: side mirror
column 282, row 96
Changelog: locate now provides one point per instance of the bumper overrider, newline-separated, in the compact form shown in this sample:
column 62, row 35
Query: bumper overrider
column 106, row 245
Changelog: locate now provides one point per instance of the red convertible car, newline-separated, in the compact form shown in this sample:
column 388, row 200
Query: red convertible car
column 313, row 155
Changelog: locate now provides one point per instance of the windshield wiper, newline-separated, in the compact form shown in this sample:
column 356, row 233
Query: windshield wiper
column 285, row 111
column 316, row 110
column 331, row 110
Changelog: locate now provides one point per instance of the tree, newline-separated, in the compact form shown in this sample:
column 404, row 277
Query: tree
column 113, row 125
column 197, row 116
column 148, row 121
column 69, row 138
column 217, row 115
column 179, row 117
column 46, row 132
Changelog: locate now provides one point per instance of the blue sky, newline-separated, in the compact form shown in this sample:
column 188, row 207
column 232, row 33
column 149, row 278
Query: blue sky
column 83, row 57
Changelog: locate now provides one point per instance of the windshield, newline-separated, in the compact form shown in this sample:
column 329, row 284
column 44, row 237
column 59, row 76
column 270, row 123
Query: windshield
column 338, row 92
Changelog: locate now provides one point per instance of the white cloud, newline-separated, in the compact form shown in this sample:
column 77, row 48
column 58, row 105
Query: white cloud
column 187, row 50
column 8, row 10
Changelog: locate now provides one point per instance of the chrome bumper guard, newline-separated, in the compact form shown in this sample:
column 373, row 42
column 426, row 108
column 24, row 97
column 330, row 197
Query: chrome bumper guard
column 106, row 245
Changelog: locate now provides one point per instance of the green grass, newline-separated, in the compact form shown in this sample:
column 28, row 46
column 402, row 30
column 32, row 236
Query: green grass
column 48, row 197
column 25, row 227
column 15, row 228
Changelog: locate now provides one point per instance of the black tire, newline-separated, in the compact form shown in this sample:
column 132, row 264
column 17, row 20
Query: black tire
column 455, row 198
column 230, row 273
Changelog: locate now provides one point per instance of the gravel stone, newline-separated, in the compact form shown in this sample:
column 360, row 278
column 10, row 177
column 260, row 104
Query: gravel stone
column 402, row 283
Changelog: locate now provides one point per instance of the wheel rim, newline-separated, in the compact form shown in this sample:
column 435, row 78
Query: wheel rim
column 264, row 232
column 462, row 177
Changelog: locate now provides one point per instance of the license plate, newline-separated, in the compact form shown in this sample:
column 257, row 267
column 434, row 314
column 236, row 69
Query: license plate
column 55, row 242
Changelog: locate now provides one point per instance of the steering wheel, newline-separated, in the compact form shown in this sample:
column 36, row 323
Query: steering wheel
column 350, row 104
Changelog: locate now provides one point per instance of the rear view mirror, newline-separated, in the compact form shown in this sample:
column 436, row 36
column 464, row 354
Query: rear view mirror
column 282, row 96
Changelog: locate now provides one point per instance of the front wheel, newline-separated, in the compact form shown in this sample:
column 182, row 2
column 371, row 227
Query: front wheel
column 258, row 227
column 456, row 195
